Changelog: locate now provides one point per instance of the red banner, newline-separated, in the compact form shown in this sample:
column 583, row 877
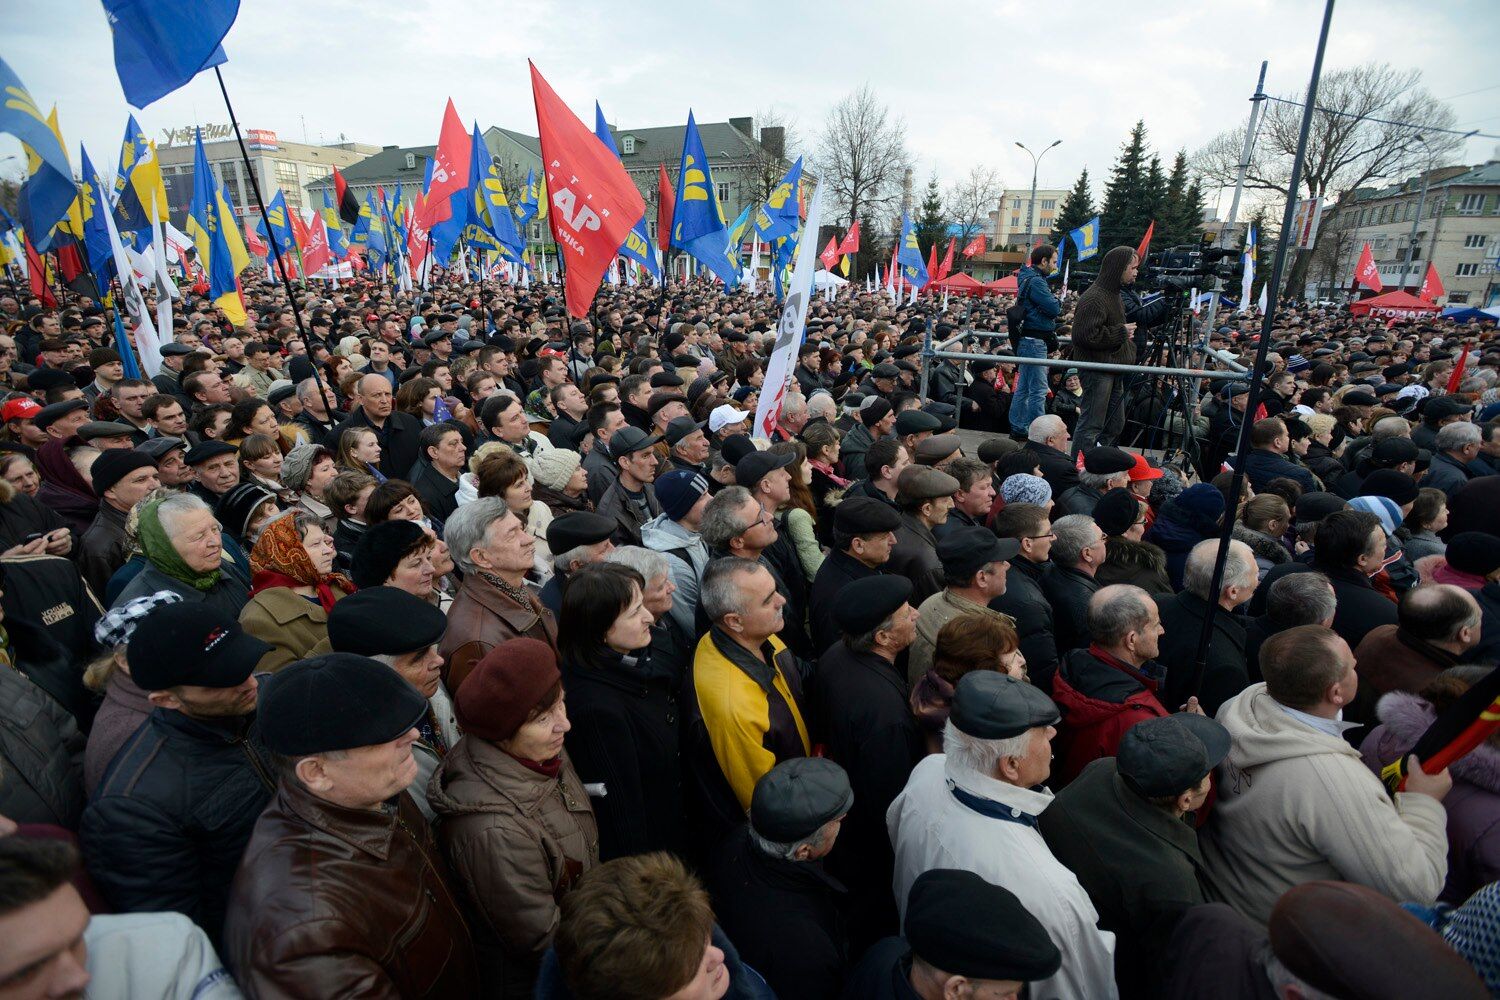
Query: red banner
column 316, row 255
column 946, row 267
column 594, row 202
column 977, row 245
column 666, row 204
column 1140, row 251
column 851, row 241
column 1432, row 285
column 36, row 274
column 1366, row 273
column 830, row 254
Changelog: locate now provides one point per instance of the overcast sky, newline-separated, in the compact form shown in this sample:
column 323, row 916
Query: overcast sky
column 969, row 77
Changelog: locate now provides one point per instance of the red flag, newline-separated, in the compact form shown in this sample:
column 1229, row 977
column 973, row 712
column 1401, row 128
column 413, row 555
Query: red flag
column 1366, row 273
column 300, row 232
column 450, row 175
column 932, row 262
column 316, row 254
column 1140, row 251
column 977, row 245
column 36, row 273
column 594, row 202
column 894, row 272
column 1456, row 379
column 851, row 241
column 830, row 254
column 348, row 204
column 1432, row 285
column 666, row 204
column 946, row 267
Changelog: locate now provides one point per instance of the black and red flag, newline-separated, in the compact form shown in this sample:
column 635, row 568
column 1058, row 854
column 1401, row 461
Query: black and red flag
column 348, row 204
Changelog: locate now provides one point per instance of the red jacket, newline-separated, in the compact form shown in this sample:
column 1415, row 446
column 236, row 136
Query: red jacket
column 1099, row 697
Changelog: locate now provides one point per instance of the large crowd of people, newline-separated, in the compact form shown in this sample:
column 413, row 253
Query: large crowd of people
column 438, row 644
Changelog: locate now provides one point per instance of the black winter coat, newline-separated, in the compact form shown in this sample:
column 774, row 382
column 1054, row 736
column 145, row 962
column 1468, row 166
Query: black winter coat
column 838, row 569
column 1079, row 499
column 1069, row 592
column 1058, row 469
column 438, row 493
column 1224, row 670
column 785, row 917
column 21, row 516
column 914, row 556
column 1360, row 606
column 399, row 449
column 171, row 817
column 1025, row 601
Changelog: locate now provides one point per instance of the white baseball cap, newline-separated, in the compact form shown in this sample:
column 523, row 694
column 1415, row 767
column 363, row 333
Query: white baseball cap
column 723, row 416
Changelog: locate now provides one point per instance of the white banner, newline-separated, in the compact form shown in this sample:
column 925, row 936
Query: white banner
column 1305, row 225
column 147, row 346
column 790, row 329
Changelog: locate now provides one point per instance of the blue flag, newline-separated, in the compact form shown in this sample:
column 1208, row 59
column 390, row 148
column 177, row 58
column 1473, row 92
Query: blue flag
column 49, row 190
column 909, row 257
column 162, row 44
column 638, row 245
column 281, row 227
column 206, row 226
column 1086, row 239
column 96, row 242
column 337, row 241
column 697, row 219
column 780, row 215
column 526, row 209
column 491, row 223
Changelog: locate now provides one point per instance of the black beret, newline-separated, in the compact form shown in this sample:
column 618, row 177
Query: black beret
column 1391, row 452
column 666, row 380
column 736, row 338
column 42, row 379
column 1474, row 552
column 1359, row 398
column 205, row 450
column 863, row 604
column 380, row 550
column 961, row 924
column 733, row 448
column 914, row 421
column 907, row 350
column 1116, row 512
column 1169, row 755
column 797, row 797
column 576, row 529
column 384, row 621
column 175, row 350
column 1441, row 407
column 1107, row 461
column 104, row 429
column 1317, row 505
column 758, row 464
column 990, row 705
column 338, row 701
column 53, row 412
column 114, row 464
column 865, row 516
column 192, row 643
column 965, row 551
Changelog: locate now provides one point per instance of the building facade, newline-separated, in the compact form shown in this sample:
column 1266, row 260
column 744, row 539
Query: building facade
column 1457, row 230
column 1008, row 222
column 289, row 166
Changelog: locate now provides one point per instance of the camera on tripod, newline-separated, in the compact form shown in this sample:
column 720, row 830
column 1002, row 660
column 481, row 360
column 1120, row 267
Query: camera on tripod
column 1182, row 268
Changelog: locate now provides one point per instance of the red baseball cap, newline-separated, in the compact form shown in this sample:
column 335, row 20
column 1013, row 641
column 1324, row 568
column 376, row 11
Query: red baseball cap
column 20, row 409
column 1144, row 470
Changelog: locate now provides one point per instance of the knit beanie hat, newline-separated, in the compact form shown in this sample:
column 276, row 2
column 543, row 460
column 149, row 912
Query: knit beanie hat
column 381, row 549
column 1026, row 488
column 678, row 490
column 503, row 688
column 873, row 411
column 1393, row 485
column 1167, row 488
column 1474, row 552
column 1116, row 512
column 1202, row 501
column 554, row 467
column 239, row 505
column 1472, row 930
column 1386, row 510
column 297, row 466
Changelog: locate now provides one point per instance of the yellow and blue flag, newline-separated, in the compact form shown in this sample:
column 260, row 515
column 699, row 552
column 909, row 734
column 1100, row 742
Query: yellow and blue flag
column 638, row 245
column 140, row 192
column 491, row 224
column 370, row 231
column 162, row 44
column 697, row 218
column 281, row 227
column 338, row 242
column 909, row 256
column 238, row 255
column 738, row 230
column 780, row 215
column 49, row 190
column 528, row 207
column 96, row 242
column 1086, row 239
column 206, row 224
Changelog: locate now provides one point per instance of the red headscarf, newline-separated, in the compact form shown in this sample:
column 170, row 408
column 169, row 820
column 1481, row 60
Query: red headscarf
column 280, row 560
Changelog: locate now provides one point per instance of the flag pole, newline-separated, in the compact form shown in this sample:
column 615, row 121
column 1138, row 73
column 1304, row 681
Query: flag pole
column 1257, row 380
column 265, row 218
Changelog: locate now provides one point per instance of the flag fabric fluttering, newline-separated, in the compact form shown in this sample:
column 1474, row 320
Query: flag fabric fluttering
column 830, row 254
column 637, row 245
column 909, row 256
column 348, row 204
column 147, row 343
column 36, row 273
column 49, row 190
column 447, row 192
column 946, row 267
column 1432, row 286
column 1145, row 247
column 1086, row 239
column 281, row 230
column 526, row 208
column 779, row 216
column 1457, row 378
column 333, row 225
column 666, row 204
column 491, row 223
column 698, row 224
column 596, row 202
column 206, row 224
column 979, row 245
column 791, row 328
column 140, row 192
column 1366, row 273
column 1248, row 259
column 162, row 44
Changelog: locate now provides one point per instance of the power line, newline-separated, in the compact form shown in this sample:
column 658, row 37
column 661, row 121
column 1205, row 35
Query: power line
column 1467, row 93
column 1386, row 121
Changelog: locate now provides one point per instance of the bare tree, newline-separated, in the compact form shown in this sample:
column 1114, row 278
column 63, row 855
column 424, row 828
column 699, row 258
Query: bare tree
column 777, row 144
column 970, row 201
column 862, row 156
column 1347, row 146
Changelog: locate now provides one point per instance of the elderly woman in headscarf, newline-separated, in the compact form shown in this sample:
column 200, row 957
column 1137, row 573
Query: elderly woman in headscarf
column 1026, row 488
column 184, row 552
column 64, row 489
column 293, row 589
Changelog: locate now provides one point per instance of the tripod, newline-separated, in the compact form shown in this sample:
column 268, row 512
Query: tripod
column 1154, row 403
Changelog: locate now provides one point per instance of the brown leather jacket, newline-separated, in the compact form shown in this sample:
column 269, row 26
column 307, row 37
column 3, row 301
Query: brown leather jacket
column 516, row 842
column 337, row 902
column 480, row 619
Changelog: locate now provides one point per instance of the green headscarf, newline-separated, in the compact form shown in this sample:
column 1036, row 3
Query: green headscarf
column 158, row 548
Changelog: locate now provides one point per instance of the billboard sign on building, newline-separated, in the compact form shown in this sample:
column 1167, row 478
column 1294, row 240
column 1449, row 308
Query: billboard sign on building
column 1305, row 225
column 260, row 138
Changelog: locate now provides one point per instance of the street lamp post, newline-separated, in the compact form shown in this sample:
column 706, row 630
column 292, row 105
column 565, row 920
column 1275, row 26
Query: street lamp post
column 1411, row 240
column 1036, row 159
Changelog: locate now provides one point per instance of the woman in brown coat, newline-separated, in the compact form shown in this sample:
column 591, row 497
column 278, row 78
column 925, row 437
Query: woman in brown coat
column 514, row 820
column 293, row 588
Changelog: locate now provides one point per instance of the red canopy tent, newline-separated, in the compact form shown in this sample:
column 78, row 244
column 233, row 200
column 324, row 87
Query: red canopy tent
column 1394, row 305
column 1003, row 286
column 958, row 284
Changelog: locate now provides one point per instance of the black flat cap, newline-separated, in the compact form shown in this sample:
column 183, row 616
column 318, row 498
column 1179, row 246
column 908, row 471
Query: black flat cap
column 758, row 464
column 191, row 643
column 204, row 450
column 990, row 705
column 865, row 516
column 1169, row 755
column 43, row 379
column 886, row 371
column 1441, row 408
column 915, row 422
column 907, row 350
column 1359, row 398
column 433, row 336
column 682, row 427
column 53, row 412
column 965, row 926
column 666, row 380
column 736, row 338
column 577, row 528
column 280, row 393
column 965, row 551
column 628, row 440
column 733, row 448
column 158, row 447
column 995, row 448
column 175, row 350
column 104, row 429
column 1317, row 505
column 384, row 621
column 1391, row 452
column 338, row 701
column 863, row 604
column 797, row 797
column 1107, row 461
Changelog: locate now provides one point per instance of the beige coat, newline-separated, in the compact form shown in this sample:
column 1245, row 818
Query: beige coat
column 935, row 612
column 516, row 842
column 291, row 623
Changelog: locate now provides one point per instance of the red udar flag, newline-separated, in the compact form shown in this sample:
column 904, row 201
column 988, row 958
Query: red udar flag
column 666, row 204
column 594, row 202
column 317, row 254
column 946, row 267
column 1140, row 251
column 36, row 276
column 830, row 254
column 1432, row 285
column 851, row 241
column 450, row 175
column 1366, row 273
column 977, row 245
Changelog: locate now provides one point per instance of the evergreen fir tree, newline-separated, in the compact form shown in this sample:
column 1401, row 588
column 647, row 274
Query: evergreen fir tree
column 1153, row 205
column 1077, row 208
column 1177, row 224
column 1125, row 217
column 930, row 223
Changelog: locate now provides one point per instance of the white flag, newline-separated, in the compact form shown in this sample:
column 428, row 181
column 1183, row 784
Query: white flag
column 147, row 344
column 166, row 288
column 754, row 262
column 790, row 328
column 1262, row 300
